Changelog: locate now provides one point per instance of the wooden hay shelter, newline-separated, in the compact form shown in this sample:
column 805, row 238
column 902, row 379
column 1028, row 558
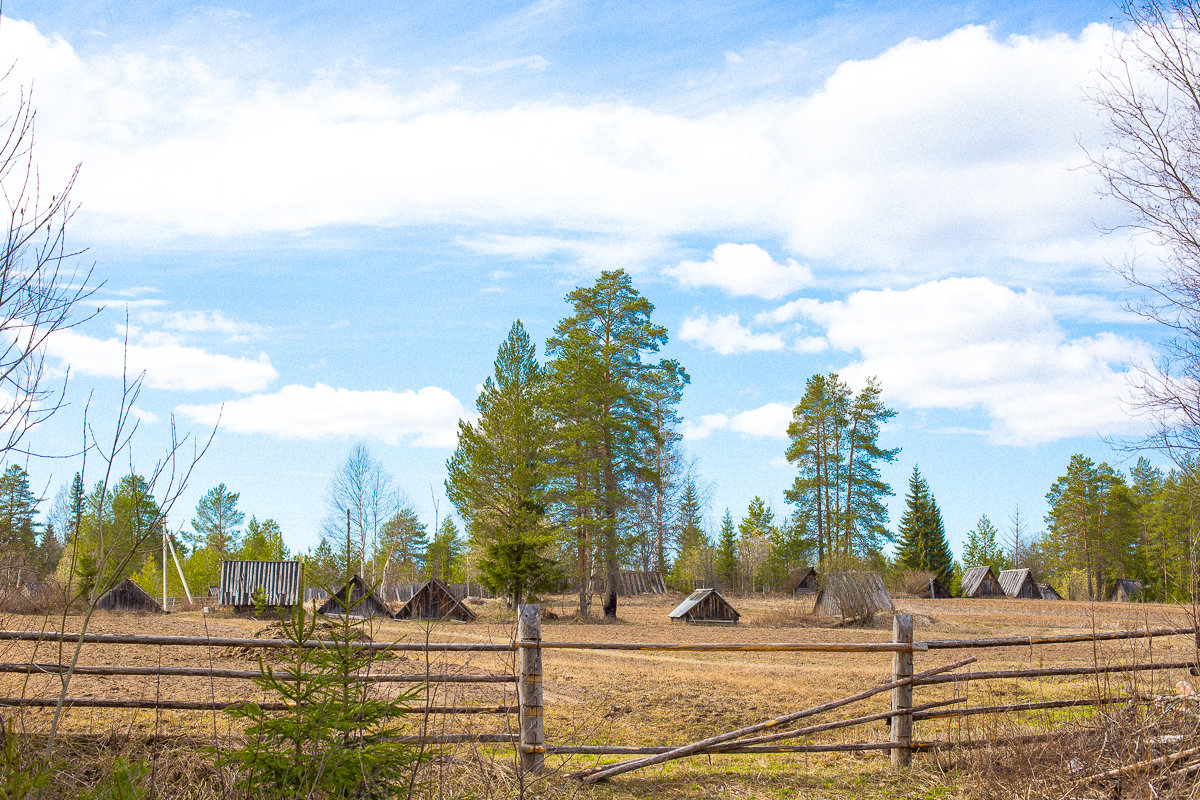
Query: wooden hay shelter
column 434, row 600
column 853, row 596
column 934, row 590
column 355, row 599
column 1020, row 583
column 981, row 582
column 276, row 582
column 128, row 596
column 705, row 606
column 1125, row 590
column 630, row 583
column 802, row 580
column 1048, row 592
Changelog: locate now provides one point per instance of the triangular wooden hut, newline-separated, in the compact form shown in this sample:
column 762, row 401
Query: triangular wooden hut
column 981, row 582
column 1125, row 589
column 434, row 600
column 128, row 596
column 1048, row 592
column 705, row 605
column 358, row 597
column 1020, row 583
column 935, row 590
column 852, row 595
column 802, row 580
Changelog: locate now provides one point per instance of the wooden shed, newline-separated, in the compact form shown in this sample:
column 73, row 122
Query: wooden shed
column 278, row 583
column 1125, row 590
column 935, row 590
column 434, row 600
column 705, row 605
column 358, row 597
column 1020, row 583
column 981, row 582
column 853, row 596
column 128, row 596
column 802, row 580
column 1048, row 592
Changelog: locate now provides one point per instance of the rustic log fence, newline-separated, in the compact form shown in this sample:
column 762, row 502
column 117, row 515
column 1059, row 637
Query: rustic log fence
column 526, row 678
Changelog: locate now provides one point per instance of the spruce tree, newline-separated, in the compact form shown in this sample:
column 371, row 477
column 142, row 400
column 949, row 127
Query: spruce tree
column 923, row 544
column 727, row 551
column 497, row 477
column 982, row 547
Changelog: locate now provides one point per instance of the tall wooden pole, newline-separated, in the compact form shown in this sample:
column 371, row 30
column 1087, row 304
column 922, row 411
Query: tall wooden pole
column 164, row 563
column 529, row 689
column 902, row 696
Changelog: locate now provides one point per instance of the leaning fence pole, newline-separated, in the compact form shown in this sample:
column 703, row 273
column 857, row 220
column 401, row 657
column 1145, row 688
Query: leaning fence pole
column 902, row 695
column 532, row 741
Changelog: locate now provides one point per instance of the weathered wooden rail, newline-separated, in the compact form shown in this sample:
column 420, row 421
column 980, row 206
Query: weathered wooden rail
column 529, row 649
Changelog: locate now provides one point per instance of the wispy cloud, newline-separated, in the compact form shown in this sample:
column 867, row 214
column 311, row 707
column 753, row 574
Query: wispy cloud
column 726, row 335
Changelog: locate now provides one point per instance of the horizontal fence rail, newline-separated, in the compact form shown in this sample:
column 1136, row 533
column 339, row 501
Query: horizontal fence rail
column 1025, row 641
column 220, row 705
column 205, row 672
column 224, row 641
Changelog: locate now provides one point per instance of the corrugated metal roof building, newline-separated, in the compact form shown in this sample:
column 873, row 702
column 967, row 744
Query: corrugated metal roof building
column 278, row 580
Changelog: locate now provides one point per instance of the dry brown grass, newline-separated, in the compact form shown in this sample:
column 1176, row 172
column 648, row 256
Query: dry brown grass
column 648, row 698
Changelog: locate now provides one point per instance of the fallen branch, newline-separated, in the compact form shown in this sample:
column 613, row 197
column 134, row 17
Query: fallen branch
column 1153, row 762
column 841, row 723
column 593, row 775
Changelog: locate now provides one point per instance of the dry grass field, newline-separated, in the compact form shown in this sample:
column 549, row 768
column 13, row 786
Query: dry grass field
column 645, row 698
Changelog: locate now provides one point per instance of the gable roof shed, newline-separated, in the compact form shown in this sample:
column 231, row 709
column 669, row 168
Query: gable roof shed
column 279, row 582
column 358, row 597
column 1019, row 583
column 853, row 595
column 981, row 582
column 434, row 600
column 1126, row 589
column 802, row 580
column 128, row 596
column 934, row 590
column 1048, row 592
column 705, row 605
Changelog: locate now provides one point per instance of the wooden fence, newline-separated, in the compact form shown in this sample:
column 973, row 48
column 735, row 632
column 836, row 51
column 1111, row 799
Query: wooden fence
column 529, row 648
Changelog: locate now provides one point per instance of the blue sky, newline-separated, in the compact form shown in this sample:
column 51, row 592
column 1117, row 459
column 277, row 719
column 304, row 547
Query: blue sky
column 322, row 218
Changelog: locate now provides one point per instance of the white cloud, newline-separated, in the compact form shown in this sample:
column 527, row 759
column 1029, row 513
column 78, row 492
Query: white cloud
column 743, row 269
column 967, row 343
column 429, row 416
column 766, row 421
column 214, row 321
column 726, row 335
column 928, row 154
column 167, row 363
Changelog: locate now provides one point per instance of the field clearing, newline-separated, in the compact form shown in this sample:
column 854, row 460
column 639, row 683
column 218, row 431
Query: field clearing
column 659, row 698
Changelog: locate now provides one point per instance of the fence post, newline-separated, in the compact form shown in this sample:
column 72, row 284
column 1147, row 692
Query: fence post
column 532, row 741
column 902, row 696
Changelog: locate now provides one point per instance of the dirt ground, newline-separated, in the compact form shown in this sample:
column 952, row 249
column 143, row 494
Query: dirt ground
column 658, row 698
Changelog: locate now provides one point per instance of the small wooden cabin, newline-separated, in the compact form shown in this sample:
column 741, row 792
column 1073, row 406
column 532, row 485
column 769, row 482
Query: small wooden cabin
column 1048, row 592
column 853, row 596
column 434, row 600
column 276, row 582
column 1020, row 583
column 1125, row 590
column 128, row 596
column 802, row 580
column 358, row 598
column 707, row 606
column 981, row 582
column 934, row 590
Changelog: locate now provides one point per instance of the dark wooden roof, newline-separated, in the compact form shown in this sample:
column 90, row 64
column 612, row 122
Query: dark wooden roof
column 802, row 578
column 434, row 600
column 128, row 596
column 1019, row 583
column 360, row 599
column 278, row 580
column 851, row 594
column 1125, row 588
column 705, row 605
column 980, row 582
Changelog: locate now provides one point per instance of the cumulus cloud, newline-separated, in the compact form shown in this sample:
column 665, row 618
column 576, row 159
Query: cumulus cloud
column 967, row 343
column 726, row 335
column 766, row 421
column 932, row 152
column 168, row 364
column 428, row 417
column 212, row 321
column 743, row 269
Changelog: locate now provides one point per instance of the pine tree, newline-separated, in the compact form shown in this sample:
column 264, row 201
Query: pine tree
column 923, row 544
column 608, row 340
column 443, row 558
column 263, row 542
column 18, row 531
column 497, row 477
column 403, row 541
column 217, row 520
